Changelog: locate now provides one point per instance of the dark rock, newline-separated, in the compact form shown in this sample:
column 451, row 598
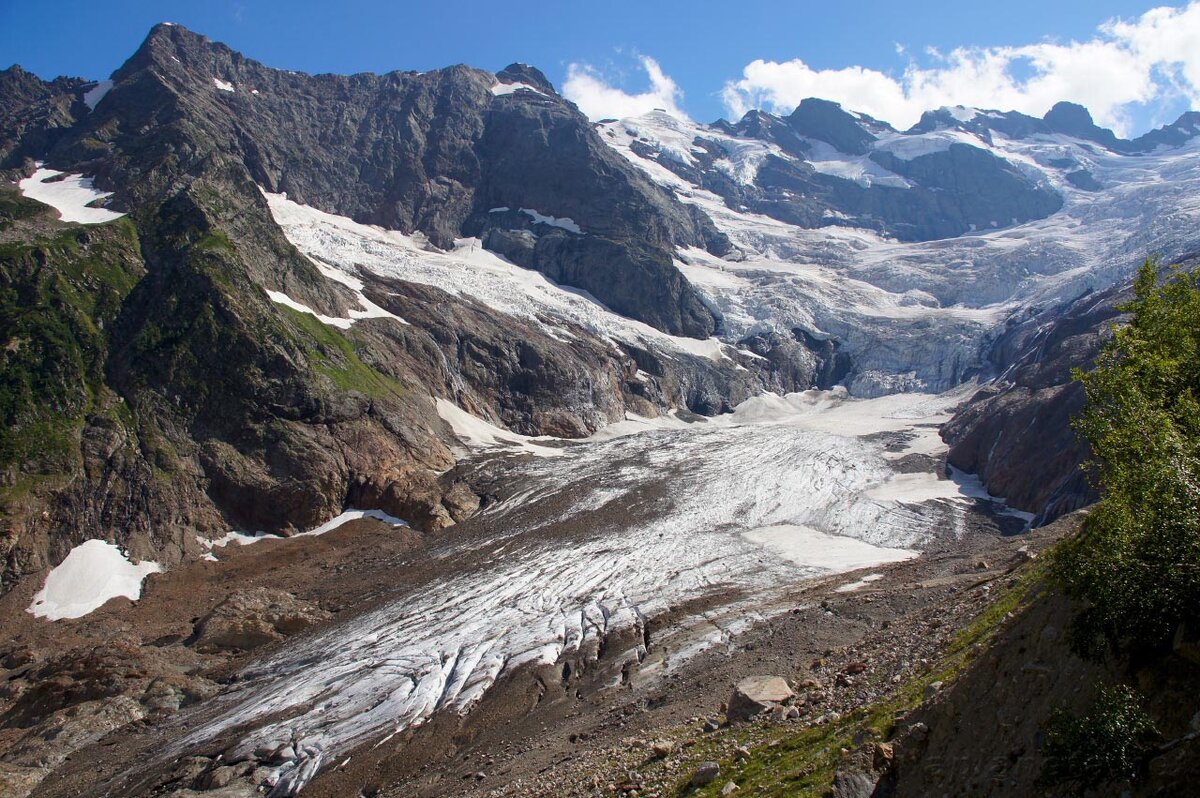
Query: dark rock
column 252, row 617
column 705, row 774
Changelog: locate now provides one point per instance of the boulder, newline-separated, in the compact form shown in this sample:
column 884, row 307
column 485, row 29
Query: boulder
column 253, row 617
column 757, row 694
column 705, row 774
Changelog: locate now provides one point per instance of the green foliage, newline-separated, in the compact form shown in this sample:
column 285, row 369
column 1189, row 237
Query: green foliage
column 803, row 764
column 58, row 297
column 1136, row 563
column 335, row 358
column 1105, row 745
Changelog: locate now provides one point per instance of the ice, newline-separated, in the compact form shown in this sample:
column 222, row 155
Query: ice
column 746, row 505
column 71, row 196
column 92, row 573
column 910, row 146
column 339, row 244
column 94, row 95
column 223, row 85
column 808, row 547
column 860, row 168
column 918, row 316
column 561, row 223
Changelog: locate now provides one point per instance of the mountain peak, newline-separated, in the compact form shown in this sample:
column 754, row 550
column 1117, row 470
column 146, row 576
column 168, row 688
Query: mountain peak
column 529, row 75
column 827, row 121
column 1073, row 119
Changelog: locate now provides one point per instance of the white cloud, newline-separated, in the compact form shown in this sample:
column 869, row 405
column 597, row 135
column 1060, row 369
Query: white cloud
column 1154, row 57
column 598, row 100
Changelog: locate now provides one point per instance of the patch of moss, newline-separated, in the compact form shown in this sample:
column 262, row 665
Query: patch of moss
column 58, row 297
column 335, row 358
column 13, row 206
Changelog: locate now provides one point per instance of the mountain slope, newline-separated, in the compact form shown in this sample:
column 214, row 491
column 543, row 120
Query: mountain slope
column 432, row 152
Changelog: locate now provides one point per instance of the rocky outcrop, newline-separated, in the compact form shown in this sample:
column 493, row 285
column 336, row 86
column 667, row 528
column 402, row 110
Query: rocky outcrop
column 34, row 113
column 254, row 617
column 1015, row 433
column 827, row 121
column 757, row 694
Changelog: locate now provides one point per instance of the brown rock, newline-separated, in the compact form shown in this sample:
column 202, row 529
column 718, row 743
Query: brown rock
column 757, row 694
column 253, row 617
column 705, row 774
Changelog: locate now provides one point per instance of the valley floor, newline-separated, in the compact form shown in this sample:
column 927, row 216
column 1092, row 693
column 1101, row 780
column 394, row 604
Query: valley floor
column 608, row 589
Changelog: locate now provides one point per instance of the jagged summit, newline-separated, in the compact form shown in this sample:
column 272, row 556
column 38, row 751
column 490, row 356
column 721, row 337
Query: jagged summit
column 852, row 132
column 529, row 75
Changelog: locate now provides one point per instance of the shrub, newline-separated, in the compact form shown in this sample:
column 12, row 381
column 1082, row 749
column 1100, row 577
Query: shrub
column 1136, row 562
column 1107, row 744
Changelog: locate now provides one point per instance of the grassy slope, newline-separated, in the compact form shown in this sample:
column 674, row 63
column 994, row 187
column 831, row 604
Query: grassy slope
column 800, row 764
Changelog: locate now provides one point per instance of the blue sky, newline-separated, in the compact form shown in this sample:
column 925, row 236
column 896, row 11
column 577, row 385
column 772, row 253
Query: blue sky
column 703, row 49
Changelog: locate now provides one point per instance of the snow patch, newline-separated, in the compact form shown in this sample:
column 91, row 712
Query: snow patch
column 562, row 223
column 223, row 85
column 244, row 539
column 71, row 196
column 283, row 299
column 92, row 573
column 501, row 89
column 479, row 434
column 850, row 587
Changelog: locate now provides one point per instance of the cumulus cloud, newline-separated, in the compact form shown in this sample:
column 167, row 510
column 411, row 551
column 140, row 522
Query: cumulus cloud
column 598, row 100
column 1152, row 58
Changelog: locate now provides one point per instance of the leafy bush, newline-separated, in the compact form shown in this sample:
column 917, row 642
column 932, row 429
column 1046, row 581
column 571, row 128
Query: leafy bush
column 1136, row 563
column 1105, row 745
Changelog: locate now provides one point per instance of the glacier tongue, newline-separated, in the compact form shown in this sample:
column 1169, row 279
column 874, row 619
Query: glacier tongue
column 587, row 547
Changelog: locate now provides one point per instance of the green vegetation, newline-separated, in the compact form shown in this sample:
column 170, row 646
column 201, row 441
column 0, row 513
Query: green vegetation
column 803, row 764
column 58, row 298
column 1106, row 744
column 1136, row 563
column 334, row 357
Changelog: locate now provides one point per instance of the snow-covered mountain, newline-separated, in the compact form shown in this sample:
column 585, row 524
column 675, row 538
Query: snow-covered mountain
column 1061, row 208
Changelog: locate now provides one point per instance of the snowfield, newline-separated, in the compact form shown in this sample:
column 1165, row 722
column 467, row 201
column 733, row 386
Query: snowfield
column 92, row 573
column 917, row 316
column 342, row 247
column 72, row 196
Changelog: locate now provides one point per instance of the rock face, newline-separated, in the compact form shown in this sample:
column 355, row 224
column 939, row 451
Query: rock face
column 154, row 392
column 756, row 694
column 432, row 152
column 34, row 113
